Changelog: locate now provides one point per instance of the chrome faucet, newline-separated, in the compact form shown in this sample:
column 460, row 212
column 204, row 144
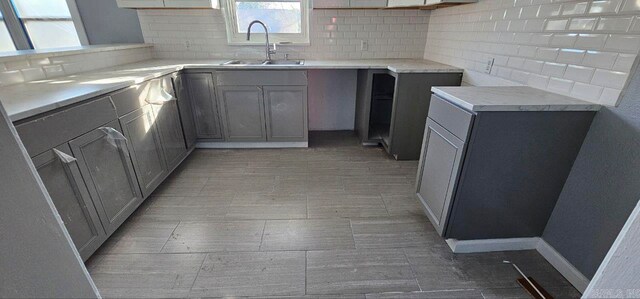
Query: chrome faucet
column 268, row 50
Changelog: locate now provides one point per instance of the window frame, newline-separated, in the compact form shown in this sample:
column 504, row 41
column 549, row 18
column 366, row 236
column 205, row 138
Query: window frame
column 18, row 31
column 235, row 38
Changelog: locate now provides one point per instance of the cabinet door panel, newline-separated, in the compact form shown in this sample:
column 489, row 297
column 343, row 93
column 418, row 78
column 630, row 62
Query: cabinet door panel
column 108, row 173
column 205, row 106
column 168, row 120
column 186, row 111
column 141, row 129
column 71, row 198
column 243, row 113
column 440, row 166
column 286, row 113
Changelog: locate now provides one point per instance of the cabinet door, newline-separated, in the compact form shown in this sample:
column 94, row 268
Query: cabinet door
column 205, row 107
column 286, row 113
column 440, row 164
column 186, row 112
column 140, row 127
column 61, row 176
column 168, row 120
column 103, row 159
column 242, row 113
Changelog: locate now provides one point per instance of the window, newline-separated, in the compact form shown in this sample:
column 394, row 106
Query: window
column 48, row 23
column 6, row 43
column 39, row 24
column 287, row 21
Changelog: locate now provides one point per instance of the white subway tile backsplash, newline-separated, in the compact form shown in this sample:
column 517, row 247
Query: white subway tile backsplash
column 610, row 96
column 599, row 59
column 561, row 47
column 590, row 41
column 574, row 8
column 586, row 91
column 610, row 79
column 579, row 73
column 29, row 68
column 623, row 43
column 335, row 34
column 582, row 24
column 614, row 24
column 605, row 6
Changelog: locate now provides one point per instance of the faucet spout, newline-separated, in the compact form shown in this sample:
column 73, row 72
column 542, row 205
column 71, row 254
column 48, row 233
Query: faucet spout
column 268, row 51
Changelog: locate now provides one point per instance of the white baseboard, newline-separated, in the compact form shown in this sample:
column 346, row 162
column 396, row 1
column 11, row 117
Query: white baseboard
column 573, row 275
column 230, row 145
column 489, row 245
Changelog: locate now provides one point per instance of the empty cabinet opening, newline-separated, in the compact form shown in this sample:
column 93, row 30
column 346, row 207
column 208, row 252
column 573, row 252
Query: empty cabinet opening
column 381, row 107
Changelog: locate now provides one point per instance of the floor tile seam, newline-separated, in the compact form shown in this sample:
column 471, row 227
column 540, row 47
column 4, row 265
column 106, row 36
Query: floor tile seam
column 198, row 273
column 170, row 235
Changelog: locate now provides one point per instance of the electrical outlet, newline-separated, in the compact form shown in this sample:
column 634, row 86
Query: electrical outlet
column 364, row 45
column 489, row 65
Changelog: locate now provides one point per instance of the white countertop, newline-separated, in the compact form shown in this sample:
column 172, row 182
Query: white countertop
column 28, row 99
column 511, row 98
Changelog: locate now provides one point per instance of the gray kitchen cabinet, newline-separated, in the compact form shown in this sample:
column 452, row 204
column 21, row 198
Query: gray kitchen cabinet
column 186, row 111
column 140, row 127
column 167, row 118
column 392, row 108
column 103, row 159
column 206, row 113
column 286, row 113
column 242, row 114
column 495, row 174
column 439, row 170
column 61, row 177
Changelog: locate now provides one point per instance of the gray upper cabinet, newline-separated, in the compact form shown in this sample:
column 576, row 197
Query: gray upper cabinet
column 242, row 110
column 141, row 129
column 186, row 111
column 61, row 176
column 438, row 172
column 202, row 96
column 286, row 113
column 165, row 108
column 107, row 171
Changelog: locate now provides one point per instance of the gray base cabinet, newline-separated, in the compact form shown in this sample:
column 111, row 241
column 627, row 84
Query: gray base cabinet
column 173, row 142
column 391, row 108
column 201, row 94
column 286, row 113
column 140, row 127
column 62, row 179
column 495, row 174
column 242, row 113
column 108, row 173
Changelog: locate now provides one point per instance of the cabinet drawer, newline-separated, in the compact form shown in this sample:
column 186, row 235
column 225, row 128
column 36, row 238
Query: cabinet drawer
column 137, row 96
column 41, row 134
column 261, row 78
column 454, row 119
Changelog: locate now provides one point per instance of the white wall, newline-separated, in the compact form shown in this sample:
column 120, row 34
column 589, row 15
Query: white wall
column 335, row 34
column 583, row 49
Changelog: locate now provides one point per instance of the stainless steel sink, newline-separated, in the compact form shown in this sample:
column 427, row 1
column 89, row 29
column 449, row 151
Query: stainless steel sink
column 264, row 62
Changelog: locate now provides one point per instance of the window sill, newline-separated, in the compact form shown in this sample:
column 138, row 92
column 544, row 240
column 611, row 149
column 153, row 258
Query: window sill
column 261, row 44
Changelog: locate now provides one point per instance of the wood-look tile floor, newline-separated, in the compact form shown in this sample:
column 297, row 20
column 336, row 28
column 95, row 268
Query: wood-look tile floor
column 336, row 220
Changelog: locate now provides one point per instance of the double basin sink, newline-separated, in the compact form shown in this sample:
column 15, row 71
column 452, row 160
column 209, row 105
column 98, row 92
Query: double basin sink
column 264, row 62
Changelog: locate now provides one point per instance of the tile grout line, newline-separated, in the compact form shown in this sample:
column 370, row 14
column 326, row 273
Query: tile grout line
column 199, row 270
column 171, row 235
column 264, row 227
column 306, row 266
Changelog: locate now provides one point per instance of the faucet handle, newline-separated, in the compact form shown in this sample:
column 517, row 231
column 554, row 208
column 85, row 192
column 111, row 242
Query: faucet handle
column 273, row 51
